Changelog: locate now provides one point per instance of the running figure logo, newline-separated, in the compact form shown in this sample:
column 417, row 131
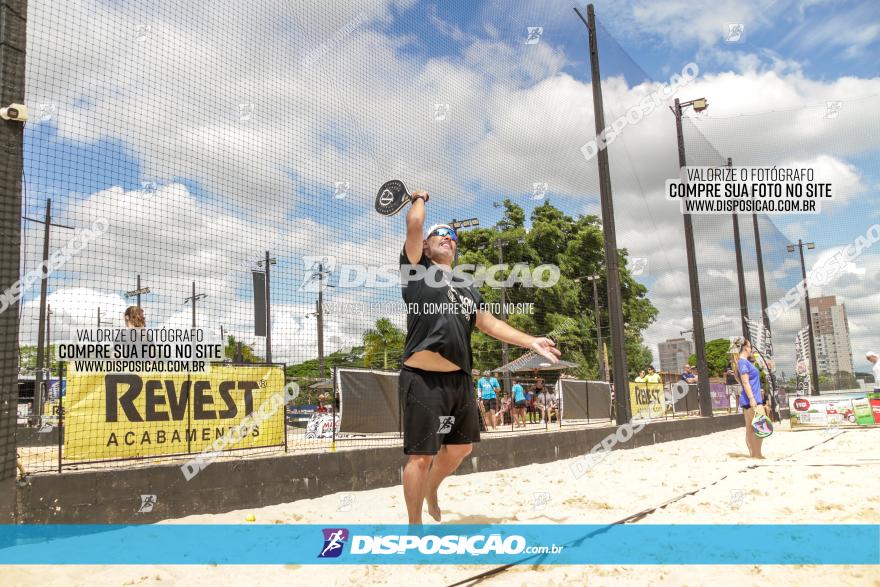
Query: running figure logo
column 334, row 540
column 446, row 423
column 148, row 502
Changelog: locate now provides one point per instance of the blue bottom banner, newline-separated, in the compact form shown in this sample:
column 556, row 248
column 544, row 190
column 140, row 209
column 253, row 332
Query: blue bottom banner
column 162, row 544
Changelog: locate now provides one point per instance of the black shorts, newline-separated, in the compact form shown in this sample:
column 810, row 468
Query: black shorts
column 521, row 404
column 438, row 408
column 490, row 404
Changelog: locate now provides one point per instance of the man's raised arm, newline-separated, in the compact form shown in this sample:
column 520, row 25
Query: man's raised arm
column 503, row 331
column 415, row 226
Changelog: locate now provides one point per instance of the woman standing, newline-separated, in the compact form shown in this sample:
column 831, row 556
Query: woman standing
column 751, row 399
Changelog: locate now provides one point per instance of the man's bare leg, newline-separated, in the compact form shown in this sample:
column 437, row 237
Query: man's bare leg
column 415, row 477
column 446, row 461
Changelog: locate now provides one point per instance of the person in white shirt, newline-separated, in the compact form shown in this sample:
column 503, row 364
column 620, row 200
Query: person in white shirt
column 872, row 358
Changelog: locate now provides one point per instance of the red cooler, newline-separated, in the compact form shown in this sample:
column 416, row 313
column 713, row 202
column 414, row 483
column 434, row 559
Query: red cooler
column 874, row 400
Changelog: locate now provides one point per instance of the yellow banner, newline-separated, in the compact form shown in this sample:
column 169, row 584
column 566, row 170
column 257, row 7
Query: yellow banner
column 647, row 400
column 123, row 415
column 50, row 408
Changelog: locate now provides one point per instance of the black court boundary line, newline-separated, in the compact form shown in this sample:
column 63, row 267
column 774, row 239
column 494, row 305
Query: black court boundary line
column 636, row 517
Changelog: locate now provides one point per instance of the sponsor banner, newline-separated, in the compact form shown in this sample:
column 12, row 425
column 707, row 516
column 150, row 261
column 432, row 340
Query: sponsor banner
column 320, row 425
column 51, row 409
column 831, row 410
column 647, row 400
column 874, row 403
column 720, row 397
column 124, row 415
column 527, row 544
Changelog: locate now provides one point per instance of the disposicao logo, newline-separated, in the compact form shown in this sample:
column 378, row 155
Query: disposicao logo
column 334, row 541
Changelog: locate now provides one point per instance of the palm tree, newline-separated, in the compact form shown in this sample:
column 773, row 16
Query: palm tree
column 386, row 339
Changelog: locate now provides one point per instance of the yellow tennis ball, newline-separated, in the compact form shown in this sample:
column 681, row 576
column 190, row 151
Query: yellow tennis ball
column 250, row 518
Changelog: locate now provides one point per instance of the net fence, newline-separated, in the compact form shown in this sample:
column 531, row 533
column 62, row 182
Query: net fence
column 183, row 151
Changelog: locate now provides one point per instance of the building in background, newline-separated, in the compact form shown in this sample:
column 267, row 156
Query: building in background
column 831, row 331
column 674, row 354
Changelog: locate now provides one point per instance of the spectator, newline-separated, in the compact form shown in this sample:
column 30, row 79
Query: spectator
column 872, row 358
column 641, row 377
column 134, row 317
column 688, row 375
column 489, row 398
column 321, row 408
column 652, row 376
column 494, row 381
column 730, row 378
column 503, row 416
column 552, row 406
column 519, row 403
column 531, row 409
column 539, row 383
column 541, row 405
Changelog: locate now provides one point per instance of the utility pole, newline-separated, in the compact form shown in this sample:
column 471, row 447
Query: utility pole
column 103, row 322
column 814, row 365
column 39, row 388
column 740, row 275
column 319, row 315
column 48, row 352
column 693, row 279
column 137, row 291
column 457, row 225
column 48, row 343
column 194, row 298
column 267, row 262
column 615, row 306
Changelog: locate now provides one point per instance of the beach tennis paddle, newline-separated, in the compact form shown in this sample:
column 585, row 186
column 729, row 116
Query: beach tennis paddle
column 392, row 197
column 761, row 425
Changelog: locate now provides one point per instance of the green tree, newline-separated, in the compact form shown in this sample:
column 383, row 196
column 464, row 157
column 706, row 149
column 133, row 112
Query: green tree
column 716, row 356
column 247, row 351
column 27, row 360
column 576, row 246
column 383, row 342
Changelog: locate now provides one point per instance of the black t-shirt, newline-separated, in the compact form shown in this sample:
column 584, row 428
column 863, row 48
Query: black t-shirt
column 441, row 316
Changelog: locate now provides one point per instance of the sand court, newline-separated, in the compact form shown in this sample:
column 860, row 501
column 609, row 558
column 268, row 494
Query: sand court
column 809, row 477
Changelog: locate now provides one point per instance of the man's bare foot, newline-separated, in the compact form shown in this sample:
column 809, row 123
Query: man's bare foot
column 433, row 506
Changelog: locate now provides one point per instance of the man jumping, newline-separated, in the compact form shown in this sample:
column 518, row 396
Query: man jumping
column 440, row 416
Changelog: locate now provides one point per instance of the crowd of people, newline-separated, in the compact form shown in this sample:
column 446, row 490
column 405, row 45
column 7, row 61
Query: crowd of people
column 528, row 401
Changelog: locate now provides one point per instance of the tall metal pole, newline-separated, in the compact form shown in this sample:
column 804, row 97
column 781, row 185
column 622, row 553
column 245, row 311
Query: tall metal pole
column 504, row 348
column 13, row 40
column 694, row 281
column 268, row 313
column 194, row 304
column 41, row 336
column 601, row 363
column 48, row 343
column 814, row 365
column 615, row 309
column 762, row 286
column 740, row 275
column 320, row 316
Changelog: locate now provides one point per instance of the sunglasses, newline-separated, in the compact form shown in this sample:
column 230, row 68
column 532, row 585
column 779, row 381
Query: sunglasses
column 441, row 232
